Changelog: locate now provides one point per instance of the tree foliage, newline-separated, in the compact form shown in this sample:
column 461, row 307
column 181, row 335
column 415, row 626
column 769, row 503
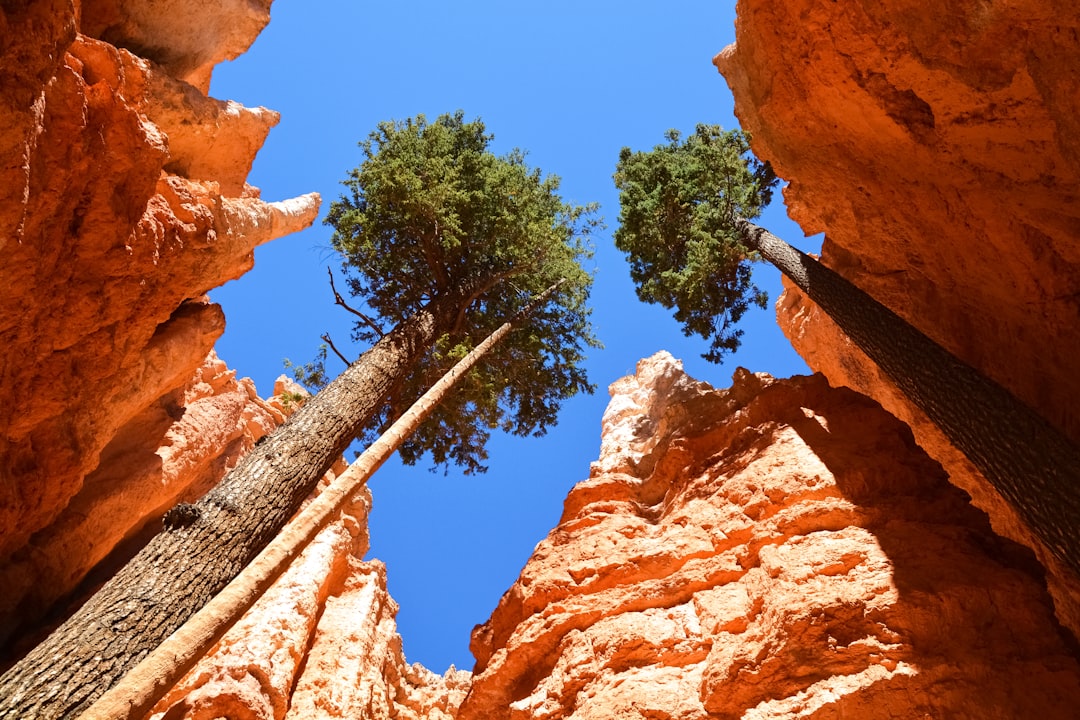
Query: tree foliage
column 433, row 212
column 679, row 202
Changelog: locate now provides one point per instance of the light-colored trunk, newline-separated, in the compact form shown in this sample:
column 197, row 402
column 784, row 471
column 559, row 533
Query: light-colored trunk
column 206, row 544
column 147, row 682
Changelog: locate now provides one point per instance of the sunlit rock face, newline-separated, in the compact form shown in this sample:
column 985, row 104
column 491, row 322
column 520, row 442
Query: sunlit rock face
column 122, row 202
column 321, row 643
column 938, row 147
column 780, row 549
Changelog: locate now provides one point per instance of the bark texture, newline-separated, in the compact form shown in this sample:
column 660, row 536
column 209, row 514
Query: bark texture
column 140, row 689
column 1032, row 464
column 205, row 544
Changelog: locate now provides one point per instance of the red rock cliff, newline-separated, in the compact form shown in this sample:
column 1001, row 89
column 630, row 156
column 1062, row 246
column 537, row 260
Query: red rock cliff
column 122, row 202
column 937, row 145
column 781, row 549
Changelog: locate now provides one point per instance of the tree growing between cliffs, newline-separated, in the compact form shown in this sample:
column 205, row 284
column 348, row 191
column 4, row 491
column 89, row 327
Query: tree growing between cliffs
column 443, row 242
column 150, row 680
column 684, row 225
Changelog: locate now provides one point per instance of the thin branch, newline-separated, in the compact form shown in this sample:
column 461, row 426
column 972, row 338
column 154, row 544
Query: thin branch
column 487, row 285
column 338, row 300
column 433, row 257
column 328, row 341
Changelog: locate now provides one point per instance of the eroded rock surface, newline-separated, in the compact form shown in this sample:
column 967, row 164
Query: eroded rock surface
column 780, row 549
column 122, row 202
column 321, row 643
column 937, row 146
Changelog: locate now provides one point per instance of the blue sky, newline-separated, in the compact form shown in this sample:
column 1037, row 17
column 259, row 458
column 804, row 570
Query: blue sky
column 569, row 82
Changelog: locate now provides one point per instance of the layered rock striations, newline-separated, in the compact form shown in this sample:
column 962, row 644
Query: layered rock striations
column 122, row 202
column 937, row 147
column 780, row 549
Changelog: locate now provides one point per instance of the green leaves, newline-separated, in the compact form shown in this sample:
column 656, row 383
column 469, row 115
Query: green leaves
column 432, row 212
column 678, row 206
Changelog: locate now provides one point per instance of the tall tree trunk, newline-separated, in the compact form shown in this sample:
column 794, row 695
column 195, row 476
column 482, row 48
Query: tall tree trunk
column 1029, row 461
column 137, row 693
column 205, row 545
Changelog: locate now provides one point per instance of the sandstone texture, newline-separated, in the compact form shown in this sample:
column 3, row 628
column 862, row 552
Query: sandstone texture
column 122, row 202
column 937, row 146
column 781, row 549
column 203, row 427
column 321, row 643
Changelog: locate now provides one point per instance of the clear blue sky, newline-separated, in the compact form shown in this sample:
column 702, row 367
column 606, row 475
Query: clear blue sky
column 569, row 82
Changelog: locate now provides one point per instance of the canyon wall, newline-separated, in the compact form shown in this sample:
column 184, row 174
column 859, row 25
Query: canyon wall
column 780, row 549
column 321, row 643
column 122, row 202
column 936, row 145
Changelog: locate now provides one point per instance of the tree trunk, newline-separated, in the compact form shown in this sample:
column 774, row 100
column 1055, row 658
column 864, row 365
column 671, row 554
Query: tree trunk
column 137, row 693
column 1030, row 462
column 205, row 545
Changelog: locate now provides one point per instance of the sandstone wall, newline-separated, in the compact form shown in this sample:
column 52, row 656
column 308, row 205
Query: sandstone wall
column 122, row 202
column 321, row 643
column 937, row 146
column 780, row 549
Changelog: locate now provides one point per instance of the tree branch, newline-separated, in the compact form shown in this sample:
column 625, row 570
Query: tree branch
column 338, row 300
column 494, row 280
column 328, row 341
column 433, row 257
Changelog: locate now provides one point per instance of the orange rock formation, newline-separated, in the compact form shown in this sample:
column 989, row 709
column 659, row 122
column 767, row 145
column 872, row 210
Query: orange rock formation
column 780, row 549
column 937, row 146
column 122, row 202
column 321, row 643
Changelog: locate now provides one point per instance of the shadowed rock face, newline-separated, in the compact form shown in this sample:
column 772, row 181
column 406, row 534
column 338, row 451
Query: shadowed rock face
column 779, row 549
column 122, row 202
column 187, row 37
column 937, row 146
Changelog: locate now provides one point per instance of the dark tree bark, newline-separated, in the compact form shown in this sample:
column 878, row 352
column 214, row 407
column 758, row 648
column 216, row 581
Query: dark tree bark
column 1029, row 461
column 137, row 693
column 206, row 544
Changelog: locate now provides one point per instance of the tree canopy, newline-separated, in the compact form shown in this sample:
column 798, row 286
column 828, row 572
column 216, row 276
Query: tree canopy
column 432, row 212
column 678, row 206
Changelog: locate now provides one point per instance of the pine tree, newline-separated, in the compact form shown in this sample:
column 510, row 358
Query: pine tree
column 443, row 241
column 144, row 685
column 684, row 224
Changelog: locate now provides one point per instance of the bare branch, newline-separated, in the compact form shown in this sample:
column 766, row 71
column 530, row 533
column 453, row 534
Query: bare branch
column 338, row 300
column 328, row 341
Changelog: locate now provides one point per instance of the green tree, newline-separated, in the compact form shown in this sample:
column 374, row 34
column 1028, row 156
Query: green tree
column 445, row 241
column 675, row 225
column 675, row 195
column 432, row 212
column 151, row 679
